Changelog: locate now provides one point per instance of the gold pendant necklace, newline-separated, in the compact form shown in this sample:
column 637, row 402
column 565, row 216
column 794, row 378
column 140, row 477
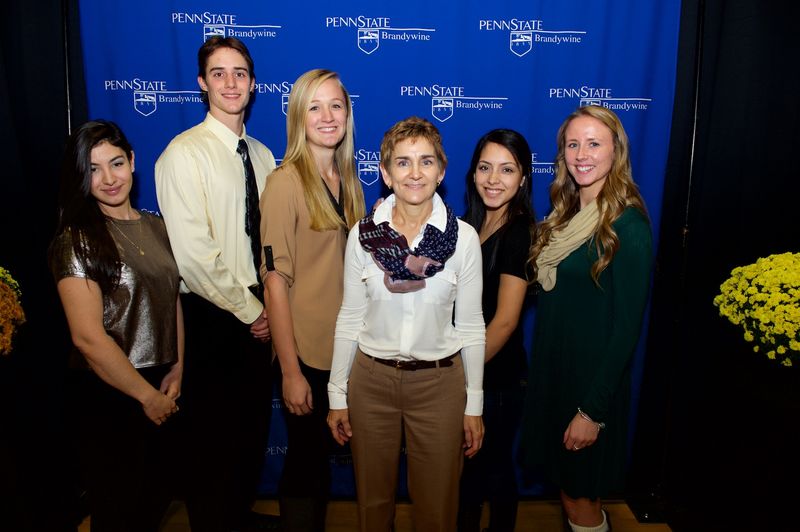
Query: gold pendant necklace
column 114, row 225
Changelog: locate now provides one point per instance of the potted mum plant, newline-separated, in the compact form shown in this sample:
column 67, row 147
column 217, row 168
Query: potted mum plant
column 11, row 313
column 763, row 298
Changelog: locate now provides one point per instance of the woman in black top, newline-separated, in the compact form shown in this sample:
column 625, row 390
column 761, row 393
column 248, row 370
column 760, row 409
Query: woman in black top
column 499, row 208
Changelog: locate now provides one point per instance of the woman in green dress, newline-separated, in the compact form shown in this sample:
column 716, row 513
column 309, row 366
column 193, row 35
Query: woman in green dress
column 593, row 256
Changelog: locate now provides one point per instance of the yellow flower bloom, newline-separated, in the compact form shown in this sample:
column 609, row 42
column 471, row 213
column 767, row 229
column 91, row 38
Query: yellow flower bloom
column 764, row 299
column 11, row 313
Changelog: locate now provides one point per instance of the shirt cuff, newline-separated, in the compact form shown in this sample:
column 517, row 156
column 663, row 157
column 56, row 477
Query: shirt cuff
column 251, row 312
column 474, row 403
column 336, row 399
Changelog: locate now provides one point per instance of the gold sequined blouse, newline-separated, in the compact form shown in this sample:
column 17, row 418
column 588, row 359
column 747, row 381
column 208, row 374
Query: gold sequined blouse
column 141, row 313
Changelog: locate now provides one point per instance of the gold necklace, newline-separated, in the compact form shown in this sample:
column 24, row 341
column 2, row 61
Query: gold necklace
column 114, row 225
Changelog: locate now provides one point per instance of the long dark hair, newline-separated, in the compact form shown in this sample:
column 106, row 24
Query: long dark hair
column 78, row 212
column 520, row 205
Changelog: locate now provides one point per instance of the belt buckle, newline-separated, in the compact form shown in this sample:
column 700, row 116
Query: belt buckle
column 408, row 365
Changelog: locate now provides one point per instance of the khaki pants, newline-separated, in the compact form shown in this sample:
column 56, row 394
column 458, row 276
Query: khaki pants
column 427, row 404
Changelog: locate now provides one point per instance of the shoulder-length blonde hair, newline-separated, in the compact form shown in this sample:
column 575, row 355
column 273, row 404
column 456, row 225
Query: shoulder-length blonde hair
column 323, row 215
column 618, row 192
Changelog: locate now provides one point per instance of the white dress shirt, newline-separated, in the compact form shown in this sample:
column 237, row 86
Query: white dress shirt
column 201, row 192
column 417, row 325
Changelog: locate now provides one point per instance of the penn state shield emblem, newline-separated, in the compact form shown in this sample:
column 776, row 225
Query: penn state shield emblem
column 520, row 42
column 144, row 102
column 442, row 108
column 368, row 172
column 369, row 40
column 213, row 30
column 284, row 103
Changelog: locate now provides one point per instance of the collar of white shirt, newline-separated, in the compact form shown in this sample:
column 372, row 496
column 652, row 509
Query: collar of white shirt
column 223, row 133
column 438, row 217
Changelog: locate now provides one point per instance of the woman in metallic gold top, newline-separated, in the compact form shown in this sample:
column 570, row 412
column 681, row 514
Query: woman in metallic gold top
column 118, row 283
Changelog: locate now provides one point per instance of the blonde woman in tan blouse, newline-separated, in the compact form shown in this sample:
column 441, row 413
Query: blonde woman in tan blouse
column 308, row 205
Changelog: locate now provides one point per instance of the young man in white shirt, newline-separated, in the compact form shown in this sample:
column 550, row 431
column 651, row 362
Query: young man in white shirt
column 205, row 181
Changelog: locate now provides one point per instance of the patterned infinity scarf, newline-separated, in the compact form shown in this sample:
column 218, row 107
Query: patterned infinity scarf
column 406, row 270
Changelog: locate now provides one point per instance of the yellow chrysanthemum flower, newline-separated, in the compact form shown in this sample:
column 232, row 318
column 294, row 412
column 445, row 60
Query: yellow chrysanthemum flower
column 11, row 314
column 764, row 299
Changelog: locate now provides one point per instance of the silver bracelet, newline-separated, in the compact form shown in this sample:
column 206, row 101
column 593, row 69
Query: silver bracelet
column 587, row 418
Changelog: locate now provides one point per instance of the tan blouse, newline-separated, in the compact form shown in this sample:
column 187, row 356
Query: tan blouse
column 312, row 262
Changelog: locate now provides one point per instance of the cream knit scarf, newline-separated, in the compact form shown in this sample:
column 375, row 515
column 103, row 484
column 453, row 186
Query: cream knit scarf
column 564, row 241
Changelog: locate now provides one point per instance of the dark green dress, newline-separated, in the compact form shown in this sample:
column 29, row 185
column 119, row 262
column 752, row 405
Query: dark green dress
column 584, row 341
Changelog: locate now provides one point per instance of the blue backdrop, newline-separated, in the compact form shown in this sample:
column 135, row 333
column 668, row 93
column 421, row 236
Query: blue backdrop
column 466, row 65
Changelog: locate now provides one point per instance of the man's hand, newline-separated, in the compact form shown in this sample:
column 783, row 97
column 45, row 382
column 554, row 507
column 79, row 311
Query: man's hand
column 260, row 328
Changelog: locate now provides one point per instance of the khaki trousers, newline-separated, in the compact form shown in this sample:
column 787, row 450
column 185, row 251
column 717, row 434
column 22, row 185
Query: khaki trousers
column 428, row 406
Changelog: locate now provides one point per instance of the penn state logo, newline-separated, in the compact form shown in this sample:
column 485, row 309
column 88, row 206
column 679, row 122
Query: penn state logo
column 520, row 42
column 590, row 101
column 284, row 103
column 368, row 172
column 144, row 102
column 213, row 30
column 369, row 39
column 442, row 108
